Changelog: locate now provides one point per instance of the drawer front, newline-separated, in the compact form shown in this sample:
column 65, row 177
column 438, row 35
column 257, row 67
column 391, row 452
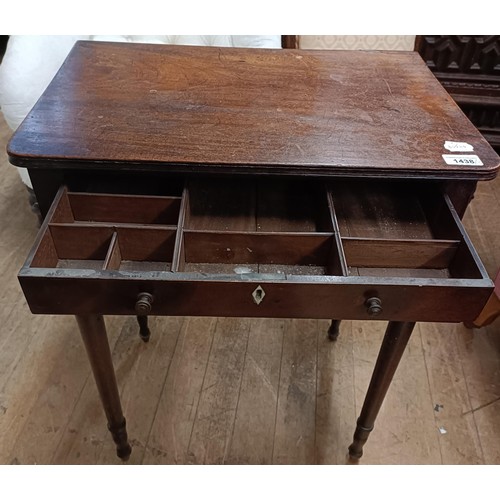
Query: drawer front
column 348, row 250
column 399, row 301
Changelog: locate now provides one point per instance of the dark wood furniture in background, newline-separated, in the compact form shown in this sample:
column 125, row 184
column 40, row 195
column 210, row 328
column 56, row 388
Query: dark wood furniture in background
column 252, row 183
column 290, row 41
column 468, row 66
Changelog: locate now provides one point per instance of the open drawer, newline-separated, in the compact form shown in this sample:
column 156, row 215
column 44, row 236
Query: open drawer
column 342, row 249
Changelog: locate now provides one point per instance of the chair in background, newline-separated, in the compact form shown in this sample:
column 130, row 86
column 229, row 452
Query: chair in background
column 30, row 62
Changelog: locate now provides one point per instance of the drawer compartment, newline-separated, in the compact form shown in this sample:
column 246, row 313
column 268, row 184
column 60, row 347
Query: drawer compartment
column 399, row 229
column 67, row 247
column 105, row 232
column 257, row 227
column 117, row 209
column 141, row 249
column 232, row 252
column 315, row 249
column 256, row 205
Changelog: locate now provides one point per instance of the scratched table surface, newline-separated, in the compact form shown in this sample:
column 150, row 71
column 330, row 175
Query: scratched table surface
column 249, row 111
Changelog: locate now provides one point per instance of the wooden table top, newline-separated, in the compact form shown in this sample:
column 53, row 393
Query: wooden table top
column 207, row 109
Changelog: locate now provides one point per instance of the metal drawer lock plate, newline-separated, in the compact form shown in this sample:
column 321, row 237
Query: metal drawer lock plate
column 258, row 295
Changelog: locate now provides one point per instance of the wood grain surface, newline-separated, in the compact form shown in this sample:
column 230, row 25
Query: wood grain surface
column 209, row 109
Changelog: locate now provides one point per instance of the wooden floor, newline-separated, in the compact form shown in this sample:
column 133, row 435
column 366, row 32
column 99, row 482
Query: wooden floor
column 241, row 391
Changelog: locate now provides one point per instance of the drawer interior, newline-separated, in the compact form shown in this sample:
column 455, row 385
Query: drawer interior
column 109, row 232
column 267, row 226
column 240, row 253
column 117, row 209
column 257, row 206
column 400, row 229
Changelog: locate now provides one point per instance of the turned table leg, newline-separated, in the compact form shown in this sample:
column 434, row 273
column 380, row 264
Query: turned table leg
column 143, row 308
column 334, row 330
column 394, row 343
column 94, row 336
column 144, row 331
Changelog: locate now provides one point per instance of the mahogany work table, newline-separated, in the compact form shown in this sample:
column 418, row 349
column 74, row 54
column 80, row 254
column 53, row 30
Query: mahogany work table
column 251, row 183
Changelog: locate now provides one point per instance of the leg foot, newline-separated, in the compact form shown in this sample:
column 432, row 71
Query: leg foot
column 94, row 337
column 144, row 331
column 119, row 433
column 360, row 437
column 351, row 461
column 395, row 340
column 334, row 330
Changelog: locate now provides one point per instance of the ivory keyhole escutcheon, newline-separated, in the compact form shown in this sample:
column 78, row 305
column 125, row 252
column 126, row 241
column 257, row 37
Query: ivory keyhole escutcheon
column 258, row 295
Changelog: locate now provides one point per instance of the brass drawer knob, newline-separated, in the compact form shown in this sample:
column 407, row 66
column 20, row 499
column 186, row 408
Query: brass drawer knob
column 374, row 306
column 144, row 303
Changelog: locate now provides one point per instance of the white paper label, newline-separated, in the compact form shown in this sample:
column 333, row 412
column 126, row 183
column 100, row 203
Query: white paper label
column 462, row 160
column 455, row 147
